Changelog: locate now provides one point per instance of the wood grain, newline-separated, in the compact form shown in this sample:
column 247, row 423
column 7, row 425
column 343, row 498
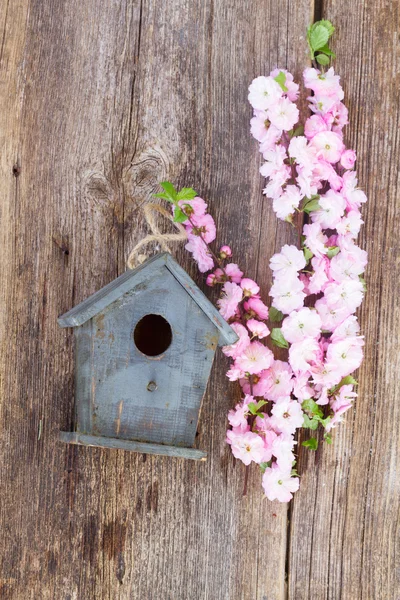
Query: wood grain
column 344, row 534
column 98, row 103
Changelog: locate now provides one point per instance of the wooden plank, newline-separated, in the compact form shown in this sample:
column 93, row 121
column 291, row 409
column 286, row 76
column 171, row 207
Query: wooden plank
column 100, row 103
column 344, row 540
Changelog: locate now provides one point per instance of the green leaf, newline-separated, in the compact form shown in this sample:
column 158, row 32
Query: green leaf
column 275, row 315
column 179, row 215
column 326, row 50
column 310, row 423
column 312, row 443
column 278, row 339
column 311, row 204
column 264, row 466
column 363, row 282
column 328, row 438
column 348, row 380
column 312, row 407
column 281, row 79
column 186, row 194
column 328, row 25
column 319, row 36
column 170, row 191
column 332, row 251
column 254, row 408
column 322, row 59
column 298, row 131
column 307, row 254
column 163, row 196
column 325, row 422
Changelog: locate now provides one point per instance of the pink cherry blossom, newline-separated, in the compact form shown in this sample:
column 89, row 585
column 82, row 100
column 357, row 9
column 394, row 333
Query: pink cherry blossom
column 236, row 349
column 247, row 447
column 345, row 356
column 238, row 416
column 332, row 206
column 287, row 202
column 202, row 225
column 326, row 84
column 301, row 388
column 200, row 253
column 301, row 324
column 328, row 145
column 211, row 279
column 348, row 159
column 292, row 88
column 279, row 484
column 331, row 317
column 282, row 449
column 287, row 293
column 319, row 278
column 234, row 273
column 287, row 415
column 278, row 381
column 257, row 328
column 349, row 293
column 315, row 239
column 289, row 260
column 197, row 206
column 232, row 295
column 313, row 125
column 250, row 288
column 255, row 358
column 264, row 92
column 257, row 307
column 225, row 251
column 283, row 114
column 303, row 354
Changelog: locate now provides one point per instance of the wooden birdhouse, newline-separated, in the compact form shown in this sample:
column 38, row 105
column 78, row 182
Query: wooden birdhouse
column 144, row 346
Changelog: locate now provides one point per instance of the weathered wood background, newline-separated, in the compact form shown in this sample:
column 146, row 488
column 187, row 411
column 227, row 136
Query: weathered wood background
column 99, row 102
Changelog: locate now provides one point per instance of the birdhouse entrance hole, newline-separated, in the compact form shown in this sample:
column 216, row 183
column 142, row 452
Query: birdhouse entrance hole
column 152, row 335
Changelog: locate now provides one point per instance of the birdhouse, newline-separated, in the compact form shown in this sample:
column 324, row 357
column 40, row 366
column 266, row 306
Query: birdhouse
column 144, row 347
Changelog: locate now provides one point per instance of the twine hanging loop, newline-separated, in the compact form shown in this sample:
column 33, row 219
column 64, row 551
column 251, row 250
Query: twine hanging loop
column 150, row 211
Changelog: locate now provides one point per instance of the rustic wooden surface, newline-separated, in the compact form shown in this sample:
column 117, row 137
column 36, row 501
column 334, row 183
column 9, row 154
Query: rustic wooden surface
column 99, row 102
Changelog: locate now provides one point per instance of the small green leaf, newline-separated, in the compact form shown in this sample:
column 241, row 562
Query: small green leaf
column 307, row 254
column 186, row 194
column 310, row 423
column 328, row 438
column 322, row 59
column 255, row 407
column 312, row 443
column 325, row 422
column 319, row 36
column 312, row 407
column 278, row 339
column 275, row 315
column 326, row 50
column 179, row 215
column 169, row 190
column 265, row 465
column 328, row 25
column 281, row 79
column 298, row 131
column 332, row 251
column 311, row 204
column 363, row 282
column 348, row 380
column 163, row 196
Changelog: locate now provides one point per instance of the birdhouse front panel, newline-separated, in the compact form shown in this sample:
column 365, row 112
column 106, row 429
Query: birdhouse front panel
column 142, row 364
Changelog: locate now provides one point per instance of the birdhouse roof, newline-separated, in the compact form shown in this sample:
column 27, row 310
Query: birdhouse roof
column 131, row 279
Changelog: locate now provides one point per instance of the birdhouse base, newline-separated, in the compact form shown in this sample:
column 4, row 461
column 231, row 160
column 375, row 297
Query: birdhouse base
column 120, row 444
